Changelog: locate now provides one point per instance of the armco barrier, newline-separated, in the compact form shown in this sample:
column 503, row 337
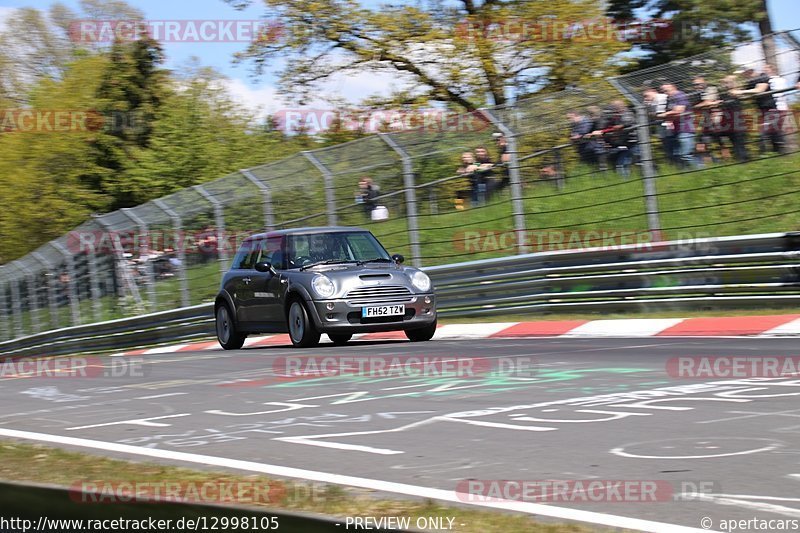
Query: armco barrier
column 34, row 502
column 744, row 271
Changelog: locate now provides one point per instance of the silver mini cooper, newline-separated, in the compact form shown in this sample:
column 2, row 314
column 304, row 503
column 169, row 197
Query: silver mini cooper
column 335, row 280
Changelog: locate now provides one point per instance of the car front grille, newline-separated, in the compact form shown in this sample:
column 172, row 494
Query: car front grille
column 378, row 294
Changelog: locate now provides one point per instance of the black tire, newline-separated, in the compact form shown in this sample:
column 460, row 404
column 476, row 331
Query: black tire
column 302, row 330
column 340, row 338
column 422, row 334
column 228, row 337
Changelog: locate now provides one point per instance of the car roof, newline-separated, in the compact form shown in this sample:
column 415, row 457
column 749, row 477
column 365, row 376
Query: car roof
column 305, row 231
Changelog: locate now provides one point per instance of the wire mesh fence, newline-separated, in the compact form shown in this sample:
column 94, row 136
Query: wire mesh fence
column 573, row 169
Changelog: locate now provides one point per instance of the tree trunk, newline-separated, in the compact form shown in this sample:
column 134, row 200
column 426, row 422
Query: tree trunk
column 767, row 41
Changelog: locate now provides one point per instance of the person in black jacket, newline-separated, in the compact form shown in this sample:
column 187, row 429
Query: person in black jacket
column 367, row 194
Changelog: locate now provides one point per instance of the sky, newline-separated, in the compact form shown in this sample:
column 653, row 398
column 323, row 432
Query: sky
column 260, row 93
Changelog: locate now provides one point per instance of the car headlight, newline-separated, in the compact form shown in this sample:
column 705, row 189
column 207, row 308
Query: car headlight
column 323, row 286
column 421, row 281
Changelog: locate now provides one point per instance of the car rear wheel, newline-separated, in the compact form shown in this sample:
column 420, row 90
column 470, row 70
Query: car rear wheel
column 301, row 329
column 228, row 337
column 340, row 338
column 421, row 334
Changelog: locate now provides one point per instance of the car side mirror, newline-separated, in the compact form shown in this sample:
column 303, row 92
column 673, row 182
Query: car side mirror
column 265, row 266
column 397, row 258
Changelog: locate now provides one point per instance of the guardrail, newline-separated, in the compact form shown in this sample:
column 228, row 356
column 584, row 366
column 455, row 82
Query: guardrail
column 744, row 271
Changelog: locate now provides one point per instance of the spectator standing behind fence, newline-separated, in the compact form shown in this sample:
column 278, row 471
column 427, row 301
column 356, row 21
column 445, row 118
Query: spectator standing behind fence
column 483, row 181
column 617, row 135
column 367, row 195
column 729, row 125
column 656, row 103
column 788, row 129
column 467, row 169
column 503, row 159
column 596, row 142
column 757, row 84
column 679, row 114
column 579, row 129
column 705, row 99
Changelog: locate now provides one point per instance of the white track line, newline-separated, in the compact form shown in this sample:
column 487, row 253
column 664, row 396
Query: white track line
column 471, row 331
column 791, row 328
column 563, row 513
column 637, row 327
column 164, row 349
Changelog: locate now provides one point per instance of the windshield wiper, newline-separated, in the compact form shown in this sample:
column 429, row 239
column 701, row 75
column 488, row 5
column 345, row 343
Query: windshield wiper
column 375, row 260
column 328, row 262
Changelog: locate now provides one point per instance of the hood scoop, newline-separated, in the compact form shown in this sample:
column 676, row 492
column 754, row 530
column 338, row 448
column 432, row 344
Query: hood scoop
column 368, row 277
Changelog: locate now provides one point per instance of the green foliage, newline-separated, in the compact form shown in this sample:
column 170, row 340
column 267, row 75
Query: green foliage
column 463, row 53
column 698, row 26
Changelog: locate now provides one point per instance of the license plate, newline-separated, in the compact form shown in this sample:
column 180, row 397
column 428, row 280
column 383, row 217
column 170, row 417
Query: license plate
column 383, row 310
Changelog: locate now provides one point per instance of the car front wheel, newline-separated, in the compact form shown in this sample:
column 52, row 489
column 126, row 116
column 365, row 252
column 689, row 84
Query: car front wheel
column 228, row 337
column 301, row 329
column 421, row 334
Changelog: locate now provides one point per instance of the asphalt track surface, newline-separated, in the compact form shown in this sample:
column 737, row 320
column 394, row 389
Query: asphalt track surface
column 571, row 416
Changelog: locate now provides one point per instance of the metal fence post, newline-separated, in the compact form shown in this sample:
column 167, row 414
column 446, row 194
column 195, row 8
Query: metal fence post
column 646, row 157
column 33, row 300
column 266, row 193
column 517, row 202
column 16, row 305
column 178, row 227
column 648, row 172
column 4, row 314
column 327, row 176
column 72, row 284
column 94, row 279
column 51, row 288
column 219, row 220
column 411, row 198
column 151, row 275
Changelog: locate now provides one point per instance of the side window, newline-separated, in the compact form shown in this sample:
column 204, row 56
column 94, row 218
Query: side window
column 270, row 251
column 245, row 257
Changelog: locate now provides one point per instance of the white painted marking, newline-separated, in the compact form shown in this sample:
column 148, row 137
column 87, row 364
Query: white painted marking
column 366, row 483
column 638, row 327
column 161, row 396
column 165, row 349
column 622, row 453
column 249, row 341
column 791, row 328
column 728, row 499
column 470, row 331
column 136, row 422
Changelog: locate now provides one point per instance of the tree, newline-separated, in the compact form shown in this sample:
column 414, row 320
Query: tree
column 49, row 178
column 130, row 96
column 698, row 26
column 467, row 53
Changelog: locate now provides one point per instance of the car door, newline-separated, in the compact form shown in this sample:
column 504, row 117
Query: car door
column 240, row 283
column 268, row 289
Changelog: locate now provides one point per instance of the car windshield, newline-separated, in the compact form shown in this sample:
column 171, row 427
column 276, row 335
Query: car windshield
column 305, row 250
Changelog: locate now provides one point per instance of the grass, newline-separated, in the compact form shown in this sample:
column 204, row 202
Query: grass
column 754, row 197
column 24, row 462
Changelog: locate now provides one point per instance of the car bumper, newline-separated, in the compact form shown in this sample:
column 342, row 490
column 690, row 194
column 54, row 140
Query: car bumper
column 339, row 316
